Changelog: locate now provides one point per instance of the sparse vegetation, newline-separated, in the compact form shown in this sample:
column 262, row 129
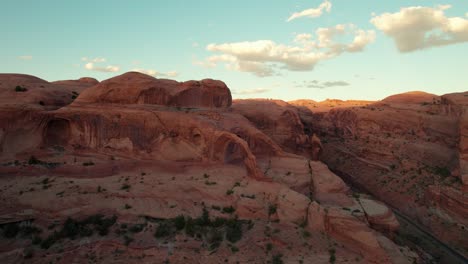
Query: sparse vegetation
column 19, row 88
column 73, row 229
column 88, row 163
column 277, row 259
column 332, row 255
column 229, row 210
column 269, row 247
column 271, row 209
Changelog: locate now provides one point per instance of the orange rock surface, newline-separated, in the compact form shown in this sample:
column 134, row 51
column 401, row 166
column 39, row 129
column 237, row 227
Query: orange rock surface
column 148, row 150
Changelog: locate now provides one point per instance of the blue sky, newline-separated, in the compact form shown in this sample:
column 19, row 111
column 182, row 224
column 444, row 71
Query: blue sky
column 250, row 45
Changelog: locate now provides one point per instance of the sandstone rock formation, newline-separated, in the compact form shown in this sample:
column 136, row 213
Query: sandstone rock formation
column 138, row 88
column 157, row 152
column 409, row 150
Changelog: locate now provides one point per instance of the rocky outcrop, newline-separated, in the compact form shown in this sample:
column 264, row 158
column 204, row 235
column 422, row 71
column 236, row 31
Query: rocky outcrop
column 147, row 150
column 138, row 88
column 399, row 149
column 26, row 91
column 277, row 119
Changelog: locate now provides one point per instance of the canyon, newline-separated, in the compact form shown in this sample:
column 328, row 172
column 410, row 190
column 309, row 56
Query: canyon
column 139, row 169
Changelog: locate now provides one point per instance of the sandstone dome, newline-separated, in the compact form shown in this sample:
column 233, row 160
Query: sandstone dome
column 138, row 88
column 414, row 97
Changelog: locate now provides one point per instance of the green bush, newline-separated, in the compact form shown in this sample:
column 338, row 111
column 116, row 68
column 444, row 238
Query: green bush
column 164, row 230
column 33, row 160
column 179, row 222
column 11, row 230
column 19, row 88
column 229, row 210
column 332, row 255
column 271, row 209
column 136, row 228
column 233, row 230
column 277, row 259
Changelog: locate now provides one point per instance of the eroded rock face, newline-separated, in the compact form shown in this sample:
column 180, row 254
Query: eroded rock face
column 138, row 88
column 408, row 150
column 32, row 92
column 277, row 119
column 146, row 149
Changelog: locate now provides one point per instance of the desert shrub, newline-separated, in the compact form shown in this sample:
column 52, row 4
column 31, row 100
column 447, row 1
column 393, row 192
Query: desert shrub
column 229, row 210
column 10, row 230
column 164, row 230
column 214, row 238
column 127, row 240
column 332, row 255
column 277, row 259
column 19, row 88
column 190, row 227
column 233, row 230
column 272, row 209
column 269, row 246
column 33, row 160
column 179, row 222
column 136, row 228
column 50, row 240
column 442, row 171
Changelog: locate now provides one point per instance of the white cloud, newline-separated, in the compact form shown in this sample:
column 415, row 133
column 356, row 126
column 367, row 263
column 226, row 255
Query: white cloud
column 312, row 12
column 172, row 74
column 92, row 67
column 264, row 57
column 155, row 73
column 251, row 91
column 414, row 28
column 94, row 60
column 321, row 85
column 25, row 57
column 148, row 72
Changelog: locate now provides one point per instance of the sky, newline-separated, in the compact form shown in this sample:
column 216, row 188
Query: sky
column 309, row 49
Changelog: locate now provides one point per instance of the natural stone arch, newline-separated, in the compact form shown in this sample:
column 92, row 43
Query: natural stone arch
column 230, row 149
column 57, row 132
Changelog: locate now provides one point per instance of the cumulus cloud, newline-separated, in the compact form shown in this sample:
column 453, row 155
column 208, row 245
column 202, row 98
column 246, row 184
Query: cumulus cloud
column 265, row 57
column 25, row 57
column 416, row 28
column 312, row 12
column 155, row 73
column 251, row 91
column 92, row 65
column 110, row 68
column 321, row 85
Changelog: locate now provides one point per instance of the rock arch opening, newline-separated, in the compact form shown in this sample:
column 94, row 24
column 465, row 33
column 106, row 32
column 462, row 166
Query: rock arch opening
column 57, row 132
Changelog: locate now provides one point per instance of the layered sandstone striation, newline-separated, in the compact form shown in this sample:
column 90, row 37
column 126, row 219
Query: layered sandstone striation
column 138, row 88
column 409, row 150
column 149, row 150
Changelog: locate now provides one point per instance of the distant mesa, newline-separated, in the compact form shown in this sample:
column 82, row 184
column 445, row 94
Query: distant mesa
column 138, row 88
column 414, row 97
